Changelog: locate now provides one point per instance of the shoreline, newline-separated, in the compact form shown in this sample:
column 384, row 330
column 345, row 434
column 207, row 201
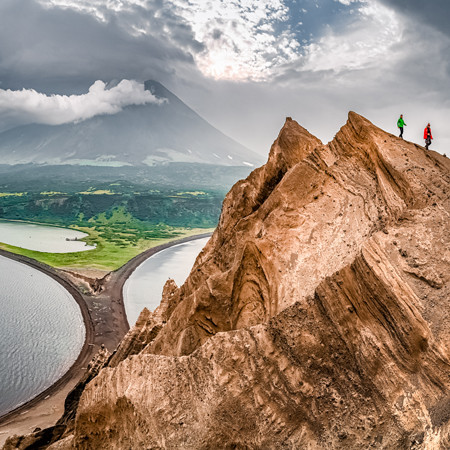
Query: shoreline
column 88, row 325
column 124, row 272
column 102, row 328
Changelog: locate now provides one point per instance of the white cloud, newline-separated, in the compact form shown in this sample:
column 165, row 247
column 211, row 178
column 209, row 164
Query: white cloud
column 241, row 39
column 367, row 42
column 251, row 39
column 28, row 105
column 347, row 2
column 101, row 9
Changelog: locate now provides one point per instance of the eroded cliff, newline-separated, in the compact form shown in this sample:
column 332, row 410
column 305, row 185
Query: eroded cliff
column 316, row 316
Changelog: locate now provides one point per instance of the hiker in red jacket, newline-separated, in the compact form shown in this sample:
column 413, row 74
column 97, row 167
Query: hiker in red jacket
column 427, row 136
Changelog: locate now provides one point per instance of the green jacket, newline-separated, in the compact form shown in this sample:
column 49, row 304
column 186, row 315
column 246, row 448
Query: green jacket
column 401, row 123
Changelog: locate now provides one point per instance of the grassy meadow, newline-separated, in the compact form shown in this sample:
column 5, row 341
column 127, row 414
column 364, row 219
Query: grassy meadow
column 114, row 246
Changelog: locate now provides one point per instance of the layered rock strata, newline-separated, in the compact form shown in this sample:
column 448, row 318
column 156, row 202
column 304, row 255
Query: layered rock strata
column 316, row 316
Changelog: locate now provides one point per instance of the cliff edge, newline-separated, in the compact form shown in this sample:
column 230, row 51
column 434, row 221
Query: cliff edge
column 317, row 316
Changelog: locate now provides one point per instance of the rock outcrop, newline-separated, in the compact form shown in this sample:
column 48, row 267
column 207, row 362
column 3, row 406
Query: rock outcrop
column 317, row 316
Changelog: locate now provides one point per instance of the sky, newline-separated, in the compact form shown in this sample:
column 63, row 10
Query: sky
column 244, row 65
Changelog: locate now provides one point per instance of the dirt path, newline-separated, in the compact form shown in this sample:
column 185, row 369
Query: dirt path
column 106, row 323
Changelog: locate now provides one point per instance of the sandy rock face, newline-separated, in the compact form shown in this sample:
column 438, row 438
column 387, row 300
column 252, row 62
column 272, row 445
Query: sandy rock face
column 317, row 316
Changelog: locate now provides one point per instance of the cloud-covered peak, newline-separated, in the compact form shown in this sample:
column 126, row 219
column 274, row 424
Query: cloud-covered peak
column 27, row 105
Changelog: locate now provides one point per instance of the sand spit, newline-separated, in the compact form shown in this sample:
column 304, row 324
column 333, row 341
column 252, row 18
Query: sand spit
column 99, row 295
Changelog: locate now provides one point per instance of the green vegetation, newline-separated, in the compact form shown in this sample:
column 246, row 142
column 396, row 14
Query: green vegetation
column 175, row 209
column 11, row 194
column 123, row 210
column 120, row 225
column 114, row 246
column 98, row 192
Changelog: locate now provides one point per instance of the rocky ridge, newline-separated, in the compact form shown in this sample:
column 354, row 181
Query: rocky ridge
column 316, row 316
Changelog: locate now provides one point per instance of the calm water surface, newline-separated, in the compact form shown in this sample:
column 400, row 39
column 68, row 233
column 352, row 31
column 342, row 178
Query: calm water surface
column 145, row 285
column 42, row 238
column 41, row 333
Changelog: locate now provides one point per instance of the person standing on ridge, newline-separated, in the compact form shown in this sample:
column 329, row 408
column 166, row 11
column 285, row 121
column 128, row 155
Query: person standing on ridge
column 427, row 136
column 401, row 123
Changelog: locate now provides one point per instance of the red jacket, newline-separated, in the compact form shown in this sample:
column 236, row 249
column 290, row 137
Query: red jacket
column 425, row 133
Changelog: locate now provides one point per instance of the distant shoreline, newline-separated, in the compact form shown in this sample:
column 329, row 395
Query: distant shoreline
column 94, row 338
column 36, row 223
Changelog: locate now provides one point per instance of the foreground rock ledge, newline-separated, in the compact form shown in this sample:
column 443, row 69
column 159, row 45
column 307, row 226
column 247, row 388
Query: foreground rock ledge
column 317, row 316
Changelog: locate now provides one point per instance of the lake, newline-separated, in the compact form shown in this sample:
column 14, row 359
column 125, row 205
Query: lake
column 42, row 238
column 41, row 333
column 144, row 287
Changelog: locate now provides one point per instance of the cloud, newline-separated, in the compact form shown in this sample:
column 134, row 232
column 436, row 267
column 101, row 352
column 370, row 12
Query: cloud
column 64, row 50
column 367, row 41
column 435, row 13
column 28, row 105
column 237, row 40
column 254, row 39
column 243, row 39
column 347, row 2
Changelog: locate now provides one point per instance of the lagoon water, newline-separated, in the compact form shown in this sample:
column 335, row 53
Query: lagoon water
column 42, row 238
column 41, row 333
column 144, row 287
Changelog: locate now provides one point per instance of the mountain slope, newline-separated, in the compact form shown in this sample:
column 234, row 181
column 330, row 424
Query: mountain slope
column 145, row 134
column 317, row 316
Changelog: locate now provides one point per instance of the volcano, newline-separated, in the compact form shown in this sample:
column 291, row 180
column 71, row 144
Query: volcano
column 138, row 135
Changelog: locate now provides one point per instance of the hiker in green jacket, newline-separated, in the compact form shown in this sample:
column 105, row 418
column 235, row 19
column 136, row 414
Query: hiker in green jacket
column 401, row 123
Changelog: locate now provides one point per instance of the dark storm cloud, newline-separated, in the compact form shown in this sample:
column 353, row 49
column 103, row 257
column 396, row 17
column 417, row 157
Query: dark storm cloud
column 61, row 50
column 432, row 12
